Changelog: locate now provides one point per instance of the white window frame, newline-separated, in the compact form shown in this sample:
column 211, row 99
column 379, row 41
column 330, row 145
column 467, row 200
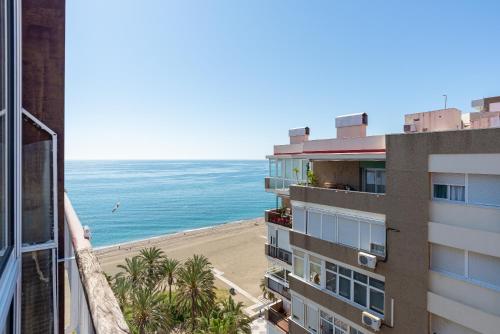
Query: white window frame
column 336, row 294
column 11, row 275
column 335, row 214
column 466, row 277
column 322, row 310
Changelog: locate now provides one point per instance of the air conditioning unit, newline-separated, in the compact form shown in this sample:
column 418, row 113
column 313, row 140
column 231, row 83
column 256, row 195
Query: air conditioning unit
column 367, row 260
column 371, row 321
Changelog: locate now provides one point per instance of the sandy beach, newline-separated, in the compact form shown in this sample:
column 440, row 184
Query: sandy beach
column 236, row 251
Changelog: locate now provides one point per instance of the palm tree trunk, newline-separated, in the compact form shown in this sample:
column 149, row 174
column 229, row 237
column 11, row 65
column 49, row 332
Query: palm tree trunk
column 192, row 313
column 170, row 293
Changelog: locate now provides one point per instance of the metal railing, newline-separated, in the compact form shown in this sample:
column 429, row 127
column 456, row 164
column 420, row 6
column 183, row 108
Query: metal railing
column 92, row 306
column 276, row 315
column 278, row 287
column 278, row 253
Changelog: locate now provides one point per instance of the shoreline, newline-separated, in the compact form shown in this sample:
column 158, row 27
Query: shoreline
column 151, row 241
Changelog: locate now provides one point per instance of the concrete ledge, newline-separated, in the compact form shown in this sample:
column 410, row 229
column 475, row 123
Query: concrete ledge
column 353, row 200
column 465, row 238
column 464, row 315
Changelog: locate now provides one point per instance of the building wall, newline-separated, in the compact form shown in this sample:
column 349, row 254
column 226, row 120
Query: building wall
column 43, row 62
column 407, row 200
column 344, row 172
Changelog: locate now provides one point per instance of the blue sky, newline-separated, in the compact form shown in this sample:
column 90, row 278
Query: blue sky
column 158, row 79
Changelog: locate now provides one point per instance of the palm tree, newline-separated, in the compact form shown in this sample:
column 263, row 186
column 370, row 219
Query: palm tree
column 121, row 288
column 134, row 270
column 152, row 258
column 169, row 271
column 195, row 287
column 147, row 312
column 229, row 308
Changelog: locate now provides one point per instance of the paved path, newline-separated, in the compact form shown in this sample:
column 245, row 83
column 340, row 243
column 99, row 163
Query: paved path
column 220, row 275
column 259, row 326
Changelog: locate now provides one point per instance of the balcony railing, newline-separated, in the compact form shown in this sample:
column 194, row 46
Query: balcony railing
column 278, row 217
column 276, row 315
column 278, row 286
column 356, row 200
column 92, row 306
column 278, row 253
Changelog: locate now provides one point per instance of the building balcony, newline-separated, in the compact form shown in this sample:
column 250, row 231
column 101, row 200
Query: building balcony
column 279, row 254
column 91, row 306
column 277, row 282
column 277, row 316
column 278, row 217
column 278, row 185
column 348, row 199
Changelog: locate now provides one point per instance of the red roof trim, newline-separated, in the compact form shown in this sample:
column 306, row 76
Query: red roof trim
column 382, row 150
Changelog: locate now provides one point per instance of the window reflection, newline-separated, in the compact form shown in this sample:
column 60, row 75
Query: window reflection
column 38, row 194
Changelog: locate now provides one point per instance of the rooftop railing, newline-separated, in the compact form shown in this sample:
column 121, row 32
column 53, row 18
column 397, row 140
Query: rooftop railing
column 92, row 307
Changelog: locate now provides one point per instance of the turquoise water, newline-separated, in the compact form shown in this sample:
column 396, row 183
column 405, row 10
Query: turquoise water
column 159, row 197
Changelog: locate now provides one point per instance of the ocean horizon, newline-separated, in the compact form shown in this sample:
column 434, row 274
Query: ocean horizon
column 158, row 197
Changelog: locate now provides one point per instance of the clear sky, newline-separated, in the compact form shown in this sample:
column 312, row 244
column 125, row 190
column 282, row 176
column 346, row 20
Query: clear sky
column 165, row 79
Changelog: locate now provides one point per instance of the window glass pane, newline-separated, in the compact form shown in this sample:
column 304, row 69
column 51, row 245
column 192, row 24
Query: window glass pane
column 378, row 234
column 348, row 231
column 377, row 284
column 299, row 219
column 298, row 266
column 314, row 224
column 37, row 303
column 360, row 277
column 272, row 167
column 304, row 170
column 381, row 181
column 370, row 181
column 288, row 169
column 312, row 319
column 331, row 266
column 457, row 193
column 484, row 268
column 298, row 310
column 344, row 287
column 448, row 259
column 279, row 167
column 345, row 271
column 38, row 204
column 364, row 233
column 331, row 281
column 326, row 327
column 360, row 294
column 329, row 228
column 8, row 328
column 314, row 270
column 377, row 301
column 440, row 191
column 484, row 189
column 6, row 227
column 340, row 324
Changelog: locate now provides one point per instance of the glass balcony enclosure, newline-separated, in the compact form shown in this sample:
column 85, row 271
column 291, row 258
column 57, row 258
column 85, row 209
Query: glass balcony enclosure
column 285, row 172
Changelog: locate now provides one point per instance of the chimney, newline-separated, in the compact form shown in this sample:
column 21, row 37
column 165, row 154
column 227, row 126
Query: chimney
column 298, row 135
column 351, row 126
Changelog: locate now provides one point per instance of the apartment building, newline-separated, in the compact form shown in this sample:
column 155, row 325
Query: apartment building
column 396, row 233
column 43, row 287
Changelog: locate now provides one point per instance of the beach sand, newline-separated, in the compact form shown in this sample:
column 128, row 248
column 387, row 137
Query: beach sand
column 235, row 249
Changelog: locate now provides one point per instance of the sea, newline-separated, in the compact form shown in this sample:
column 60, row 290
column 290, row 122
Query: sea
column 124, row 201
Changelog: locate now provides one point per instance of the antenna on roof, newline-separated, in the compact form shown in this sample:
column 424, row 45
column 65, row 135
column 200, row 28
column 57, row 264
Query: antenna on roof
column 445, row 100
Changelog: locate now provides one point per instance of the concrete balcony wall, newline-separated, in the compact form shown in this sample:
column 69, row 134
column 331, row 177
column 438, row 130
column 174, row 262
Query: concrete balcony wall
column 369, row 144
column 353, row 200
column 466, row 316
column 467, row 293
column 468, row 216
